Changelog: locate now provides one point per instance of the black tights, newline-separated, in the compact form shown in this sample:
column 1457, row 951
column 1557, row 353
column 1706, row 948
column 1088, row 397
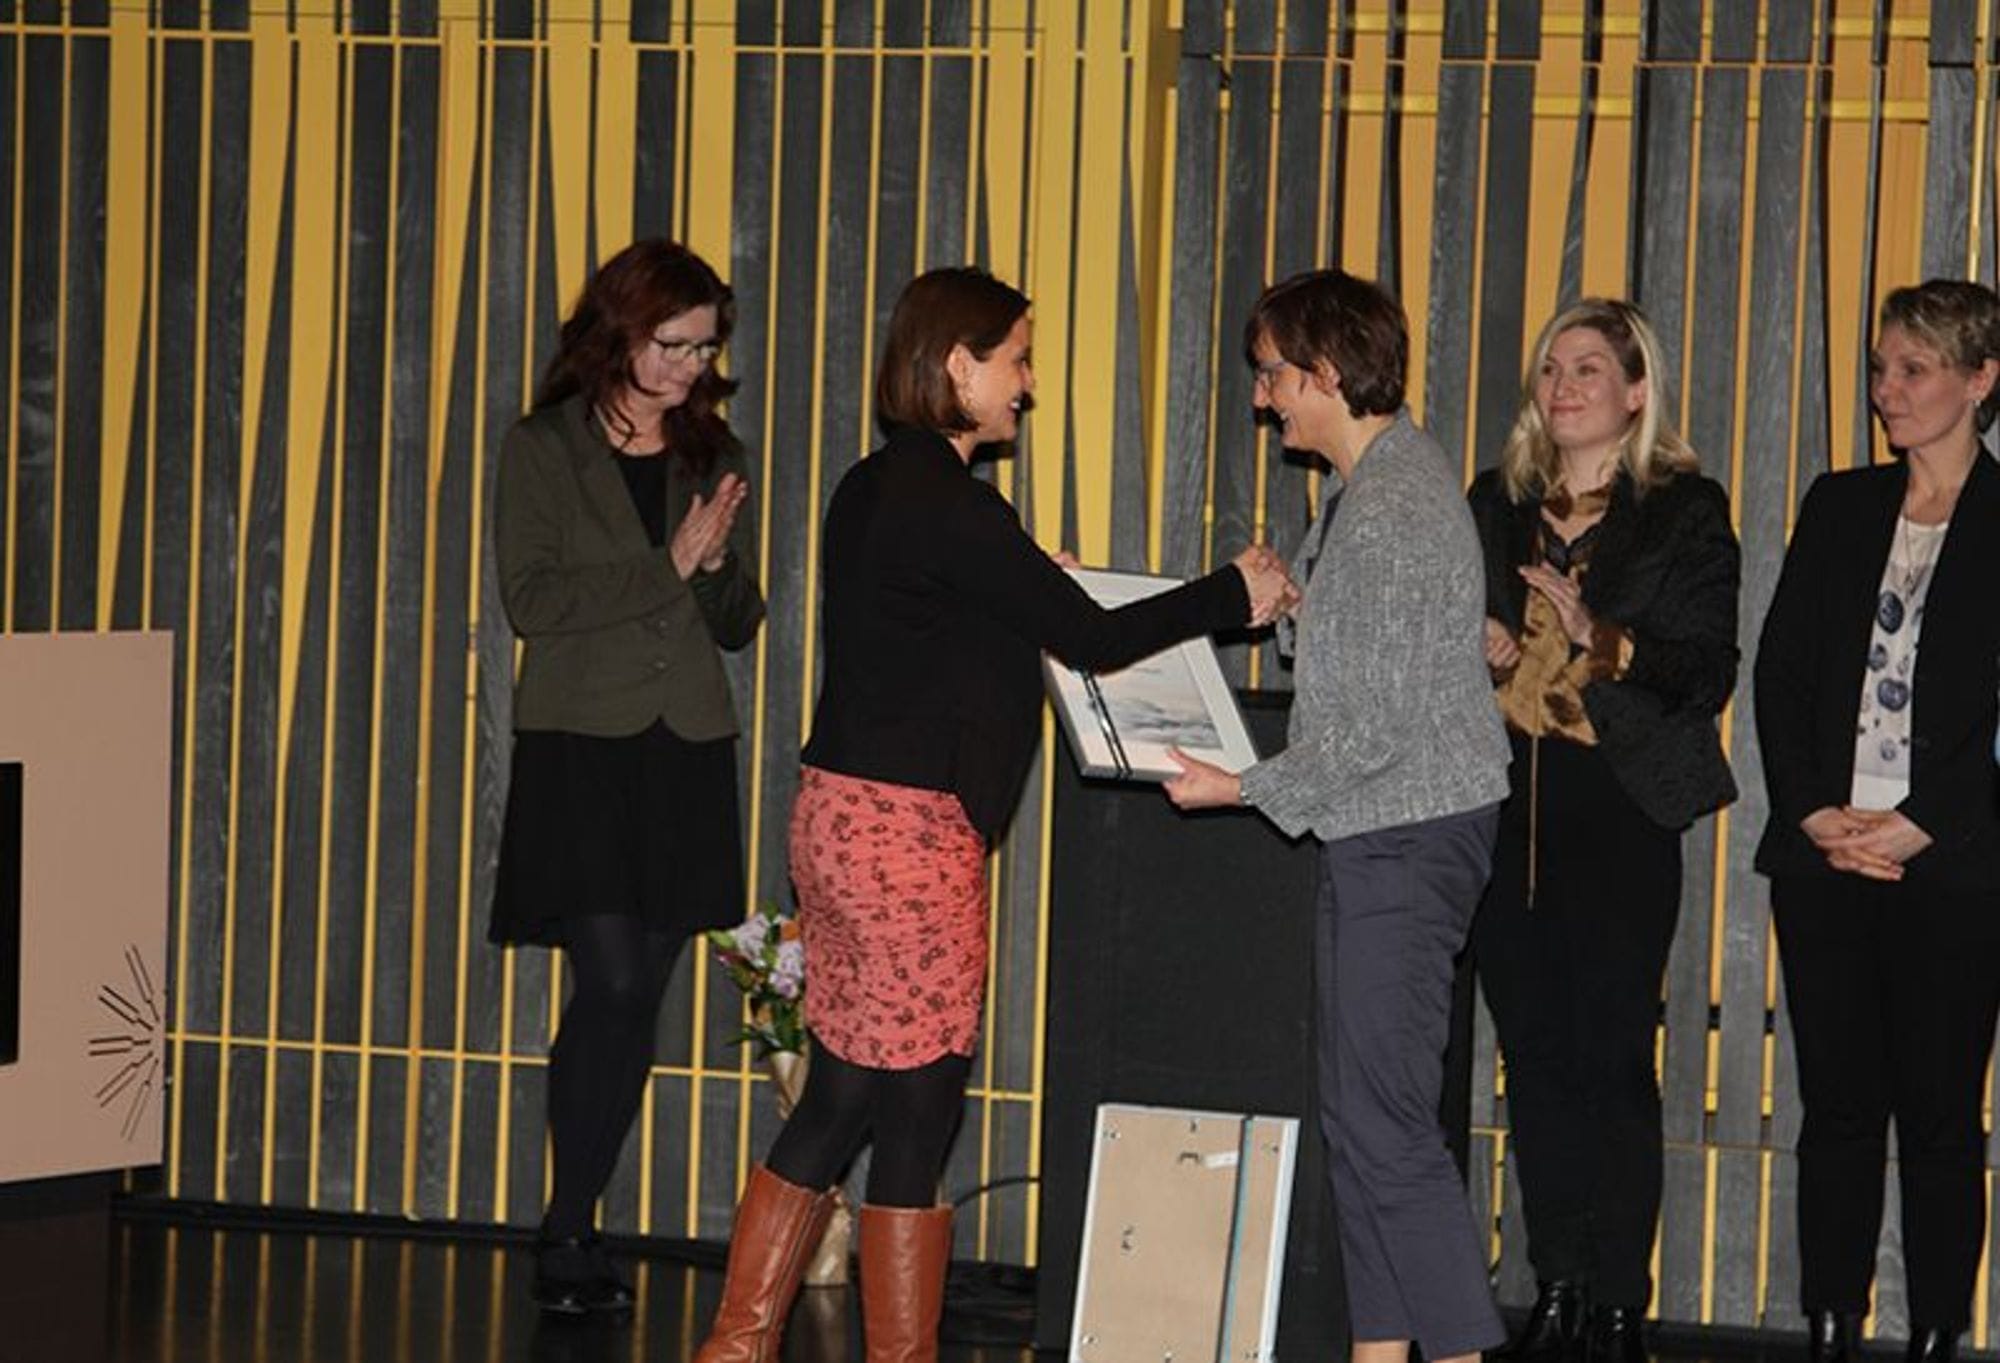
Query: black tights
column 911, row 1113
column 602, row 1054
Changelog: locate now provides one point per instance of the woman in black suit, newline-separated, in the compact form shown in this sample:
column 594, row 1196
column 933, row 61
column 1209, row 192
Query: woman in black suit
column 1612, row 575
column 1883, row 845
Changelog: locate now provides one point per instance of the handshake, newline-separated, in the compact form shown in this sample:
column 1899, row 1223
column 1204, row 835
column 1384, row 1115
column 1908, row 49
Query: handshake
column 1272, row 591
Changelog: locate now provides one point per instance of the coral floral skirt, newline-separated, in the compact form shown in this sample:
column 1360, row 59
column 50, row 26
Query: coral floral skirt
column 892, row 905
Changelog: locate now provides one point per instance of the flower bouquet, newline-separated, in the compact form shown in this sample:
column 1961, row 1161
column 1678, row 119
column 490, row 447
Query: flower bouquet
column 764, row 958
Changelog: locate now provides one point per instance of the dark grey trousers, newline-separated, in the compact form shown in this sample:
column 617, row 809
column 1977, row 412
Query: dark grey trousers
column 1394, row 908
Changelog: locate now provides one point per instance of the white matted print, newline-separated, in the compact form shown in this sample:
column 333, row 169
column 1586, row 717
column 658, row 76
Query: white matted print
column 1120, row 724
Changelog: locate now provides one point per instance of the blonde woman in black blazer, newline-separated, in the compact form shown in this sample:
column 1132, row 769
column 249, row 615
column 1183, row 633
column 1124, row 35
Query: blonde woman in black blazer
column 624, row 567
column 1612, row 574
column 1876, row 711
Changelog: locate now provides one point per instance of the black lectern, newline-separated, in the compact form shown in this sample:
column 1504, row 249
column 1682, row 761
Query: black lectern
column 1180, row 975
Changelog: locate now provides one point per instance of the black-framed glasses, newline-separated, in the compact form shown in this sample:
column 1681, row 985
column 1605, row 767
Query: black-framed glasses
column 677, row 351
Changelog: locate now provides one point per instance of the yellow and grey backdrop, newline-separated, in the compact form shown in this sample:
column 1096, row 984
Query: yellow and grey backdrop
column 274, row 278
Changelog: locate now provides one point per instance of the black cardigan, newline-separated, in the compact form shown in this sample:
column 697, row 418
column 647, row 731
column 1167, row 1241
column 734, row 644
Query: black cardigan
column 938, row 606
column 1815, row 648
column 1666, row 569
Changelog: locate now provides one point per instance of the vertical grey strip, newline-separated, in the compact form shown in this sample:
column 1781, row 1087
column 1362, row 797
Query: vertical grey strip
column 1238, row 446
column 1464, row 30
column 1673, row 30
column 1503, row 283
column 947, row 188
column 1448, row 390
column 1948, row 166
column 1190, row 333
column 37, row 311
column 1665, row 171
column 1576, row 221
column 658, row 119
column 83, row 326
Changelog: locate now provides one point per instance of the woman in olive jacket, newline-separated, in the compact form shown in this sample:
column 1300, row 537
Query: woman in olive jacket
column 624, row 568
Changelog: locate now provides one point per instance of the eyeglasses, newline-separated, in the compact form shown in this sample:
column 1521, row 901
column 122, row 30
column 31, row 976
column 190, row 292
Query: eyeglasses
column 676, row 351
column 1267, row 374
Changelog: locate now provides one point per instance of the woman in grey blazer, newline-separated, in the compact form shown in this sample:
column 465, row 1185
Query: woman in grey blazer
column 1397, row 762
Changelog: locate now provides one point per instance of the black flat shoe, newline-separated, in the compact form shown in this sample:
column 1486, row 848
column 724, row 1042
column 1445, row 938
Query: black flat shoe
column 1617, row 1335
column 1830, row 1336
column 1553, row 1331
column 1930, row 1344
column 574, row 1277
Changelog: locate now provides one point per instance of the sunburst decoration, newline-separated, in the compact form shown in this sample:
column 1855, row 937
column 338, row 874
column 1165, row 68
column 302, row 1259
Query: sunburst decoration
column 136, row 1048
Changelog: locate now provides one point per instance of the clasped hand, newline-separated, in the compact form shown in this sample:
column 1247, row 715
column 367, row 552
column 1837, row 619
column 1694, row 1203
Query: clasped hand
column 1272, row 592
column 1565, row 593
column 701, row 541
column 1867, row 842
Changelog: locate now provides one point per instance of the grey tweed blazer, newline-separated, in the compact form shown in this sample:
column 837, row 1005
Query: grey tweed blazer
column 1393, row 720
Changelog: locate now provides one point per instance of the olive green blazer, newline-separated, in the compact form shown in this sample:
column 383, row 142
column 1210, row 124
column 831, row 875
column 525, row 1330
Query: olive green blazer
column 612, row 637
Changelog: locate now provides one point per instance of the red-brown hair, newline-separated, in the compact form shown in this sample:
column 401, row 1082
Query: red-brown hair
column 647, row 283
column 938, row 310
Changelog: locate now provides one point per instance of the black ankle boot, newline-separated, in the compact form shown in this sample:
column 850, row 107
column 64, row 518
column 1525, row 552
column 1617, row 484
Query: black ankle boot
column 1931, row 1344
column 574, row 1277
column 1830, row 1336
column 1616, row 1335
column 1554, row 1327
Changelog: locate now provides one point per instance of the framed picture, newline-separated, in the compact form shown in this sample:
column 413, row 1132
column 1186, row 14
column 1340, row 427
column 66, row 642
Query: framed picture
column 1120, row 724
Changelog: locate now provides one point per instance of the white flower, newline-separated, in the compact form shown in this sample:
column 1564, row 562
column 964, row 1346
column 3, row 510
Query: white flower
column 788, row 973
column 750, row 937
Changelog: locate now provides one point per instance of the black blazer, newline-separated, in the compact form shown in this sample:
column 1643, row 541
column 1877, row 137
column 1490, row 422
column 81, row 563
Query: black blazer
column 938, row 606
column 1666, row 569
column 1814, row 650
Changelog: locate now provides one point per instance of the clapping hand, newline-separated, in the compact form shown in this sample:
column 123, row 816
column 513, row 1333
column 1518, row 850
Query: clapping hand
column 1503, row 650
column 701, row 541
column 1866, row 842
column 1565, row 593
column 1270, row 586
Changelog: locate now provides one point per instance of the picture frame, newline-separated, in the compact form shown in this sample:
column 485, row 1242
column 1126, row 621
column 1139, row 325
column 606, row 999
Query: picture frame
column 1120, row 724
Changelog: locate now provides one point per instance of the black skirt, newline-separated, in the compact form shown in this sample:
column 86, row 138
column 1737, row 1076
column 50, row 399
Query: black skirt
column 645, row 826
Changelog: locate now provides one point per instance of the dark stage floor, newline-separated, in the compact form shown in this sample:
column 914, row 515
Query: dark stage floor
column 191, row 1290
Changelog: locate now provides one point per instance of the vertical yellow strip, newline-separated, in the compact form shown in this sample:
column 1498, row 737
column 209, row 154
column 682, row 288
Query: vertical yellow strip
column 1418, row 211
column 1361, row 175
column 315, row 251
column 1096, row 128
column 1558, row 94
column 1608, row 198
column 571, row 89
column 615, row 176
column 125, row 265
column 1005, row 144
column 1846, row 168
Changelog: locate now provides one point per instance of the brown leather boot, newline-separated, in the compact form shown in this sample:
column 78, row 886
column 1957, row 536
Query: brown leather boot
column 904, row 1254
column 777, row 1226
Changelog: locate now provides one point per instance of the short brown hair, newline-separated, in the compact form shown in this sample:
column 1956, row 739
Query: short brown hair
column 1958, row 319
column 1329, row 316
column 938, row 310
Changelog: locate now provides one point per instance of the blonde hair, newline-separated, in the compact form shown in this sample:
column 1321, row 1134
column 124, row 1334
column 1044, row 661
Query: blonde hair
column 1652, row 450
